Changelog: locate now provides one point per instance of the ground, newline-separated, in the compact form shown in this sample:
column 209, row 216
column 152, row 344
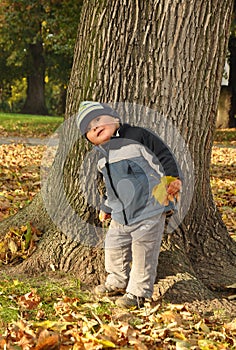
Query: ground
column 54, row 311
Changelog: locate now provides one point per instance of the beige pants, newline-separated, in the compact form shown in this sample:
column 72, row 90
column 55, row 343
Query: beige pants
column 131, row 255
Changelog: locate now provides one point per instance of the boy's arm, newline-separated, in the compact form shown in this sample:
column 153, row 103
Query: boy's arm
column 169, row 163
column 163, row 153
column 105, row 211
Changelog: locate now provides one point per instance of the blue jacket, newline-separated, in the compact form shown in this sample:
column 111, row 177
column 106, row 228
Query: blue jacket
column 132, row 163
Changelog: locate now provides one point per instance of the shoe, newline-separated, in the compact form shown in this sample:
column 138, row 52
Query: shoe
column 129, row 301
column 107, row 290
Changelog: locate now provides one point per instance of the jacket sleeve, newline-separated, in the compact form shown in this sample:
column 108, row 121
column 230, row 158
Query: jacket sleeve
column 163, row 153
column 102, row 194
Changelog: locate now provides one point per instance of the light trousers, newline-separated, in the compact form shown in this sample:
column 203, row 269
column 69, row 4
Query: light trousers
column 131, row 254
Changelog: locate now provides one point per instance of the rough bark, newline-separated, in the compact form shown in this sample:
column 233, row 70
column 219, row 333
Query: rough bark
column 35, row 99
column 167, row 56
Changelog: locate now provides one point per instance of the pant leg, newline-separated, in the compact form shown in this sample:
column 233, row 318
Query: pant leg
column 146, row 243
column 117, row 255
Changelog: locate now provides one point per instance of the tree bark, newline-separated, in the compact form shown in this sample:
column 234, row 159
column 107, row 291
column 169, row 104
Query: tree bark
column 35, row 99
column 166, row 56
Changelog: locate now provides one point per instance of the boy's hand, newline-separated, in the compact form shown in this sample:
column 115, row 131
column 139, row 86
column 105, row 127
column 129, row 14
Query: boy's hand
column 103, row 216
column 167, row 190
column 174, row 187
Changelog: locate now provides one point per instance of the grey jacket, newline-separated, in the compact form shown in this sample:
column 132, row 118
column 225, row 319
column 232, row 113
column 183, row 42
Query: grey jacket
column 132, row 163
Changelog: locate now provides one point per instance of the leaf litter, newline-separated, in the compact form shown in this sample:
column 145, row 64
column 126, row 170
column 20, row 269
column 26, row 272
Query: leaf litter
column 76, row 324
column 73, row 323
column 223, row 184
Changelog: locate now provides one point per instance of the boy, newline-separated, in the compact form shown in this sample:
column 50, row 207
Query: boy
column 133, row 162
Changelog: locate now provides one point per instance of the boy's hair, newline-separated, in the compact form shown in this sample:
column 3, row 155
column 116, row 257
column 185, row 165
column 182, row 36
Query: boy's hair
column 88, row 110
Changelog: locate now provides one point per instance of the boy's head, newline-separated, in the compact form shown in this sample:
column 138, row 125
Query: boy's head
column 98, row 121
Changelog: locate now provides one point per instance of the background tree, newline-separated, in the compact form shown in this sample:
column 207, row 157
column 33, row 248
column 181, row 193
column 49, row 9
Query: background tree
column 226, row 117
column 37, row 39
column 164, row 55
column 232, row 75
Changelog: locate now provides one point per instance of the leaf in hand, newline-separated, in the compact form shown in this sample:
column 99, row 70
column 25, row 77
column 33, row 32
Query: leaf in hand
column 160, row 191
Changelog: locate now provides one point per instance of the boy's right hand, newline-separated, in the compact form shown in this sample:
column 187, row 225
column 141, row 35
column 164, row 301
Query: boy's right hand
column 104, row 216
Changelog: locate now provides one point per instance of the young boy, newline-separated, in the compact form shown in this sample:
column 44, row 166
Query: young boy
column 133, row 162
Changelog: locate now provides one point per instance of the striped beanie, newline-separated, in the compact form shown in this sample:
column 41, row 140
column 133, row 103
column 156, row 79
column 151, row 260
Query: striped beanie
column 88, row 110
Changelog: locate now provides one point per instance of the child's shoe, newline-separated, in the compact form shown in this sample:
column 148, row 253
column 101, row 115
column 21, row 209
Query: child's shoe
column 129, row 301
column 107, row 290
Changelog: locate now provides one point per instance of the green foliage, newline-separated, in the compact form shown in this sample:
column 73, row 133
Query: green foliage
column 27, row 22
column 54, row 23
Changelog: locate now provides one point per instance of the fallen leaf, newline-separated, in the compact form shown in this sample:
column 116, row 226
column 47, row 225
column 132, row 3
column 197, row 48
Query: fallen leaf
column 48, row 341
column 29, row 301
column 104, row 342
column 12, row 246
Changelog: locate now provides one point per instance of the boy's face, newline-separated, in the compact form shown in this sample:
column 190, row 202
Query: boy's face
column 101, row 129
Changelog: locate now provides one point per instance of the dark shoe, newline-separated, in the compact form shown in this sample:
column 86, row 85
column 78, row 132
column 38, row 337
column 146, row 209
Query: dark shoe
column 106, row 290
column 129, row 301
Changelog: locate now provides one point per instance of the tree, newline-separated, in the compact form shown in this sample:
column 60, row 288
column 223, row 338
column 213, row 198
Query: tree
column 227, row 103
column 37, row 37
column 164, row 55
column 232, row 75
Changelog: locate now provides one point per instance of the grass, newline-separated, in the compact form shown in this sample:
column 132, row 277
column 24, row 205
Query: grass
column 52, row 310
column 48, row 292
column 28, row 125
column 225, row 136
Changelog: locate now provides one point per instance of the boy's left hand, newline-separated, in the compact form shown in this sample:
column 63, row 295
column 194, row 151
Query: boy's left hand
column 174, row 187
column 104, row 216
column 167, row 189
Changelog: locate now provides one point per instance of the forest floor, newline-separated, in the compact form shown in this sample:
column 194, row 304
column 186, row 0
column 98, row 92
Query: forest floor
column 54, row 311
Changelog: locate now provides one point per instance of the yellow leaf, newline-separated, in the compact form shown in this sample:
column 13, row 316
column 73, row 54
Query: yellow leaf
column 45, row 324
column 201, row 325
column 159, row 191
column 104, row 342
column 205, row 344
column 170, row 179
column 179, row 335
column 54, row 325
column 16, row 231
column 12, row 246
column 182, row 345
column 16, row 282
column 2, row 247
column 28, row 235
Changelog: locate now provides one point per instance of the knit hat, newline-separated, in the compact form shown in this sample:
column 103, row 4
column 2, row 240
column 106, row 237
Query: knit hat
column 88, row 110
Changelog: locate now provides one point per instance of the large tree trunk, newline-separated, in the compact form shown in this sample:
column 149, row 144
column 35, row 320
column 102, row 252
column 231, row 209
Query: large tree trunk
column 35, row 99
column 167, row 56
